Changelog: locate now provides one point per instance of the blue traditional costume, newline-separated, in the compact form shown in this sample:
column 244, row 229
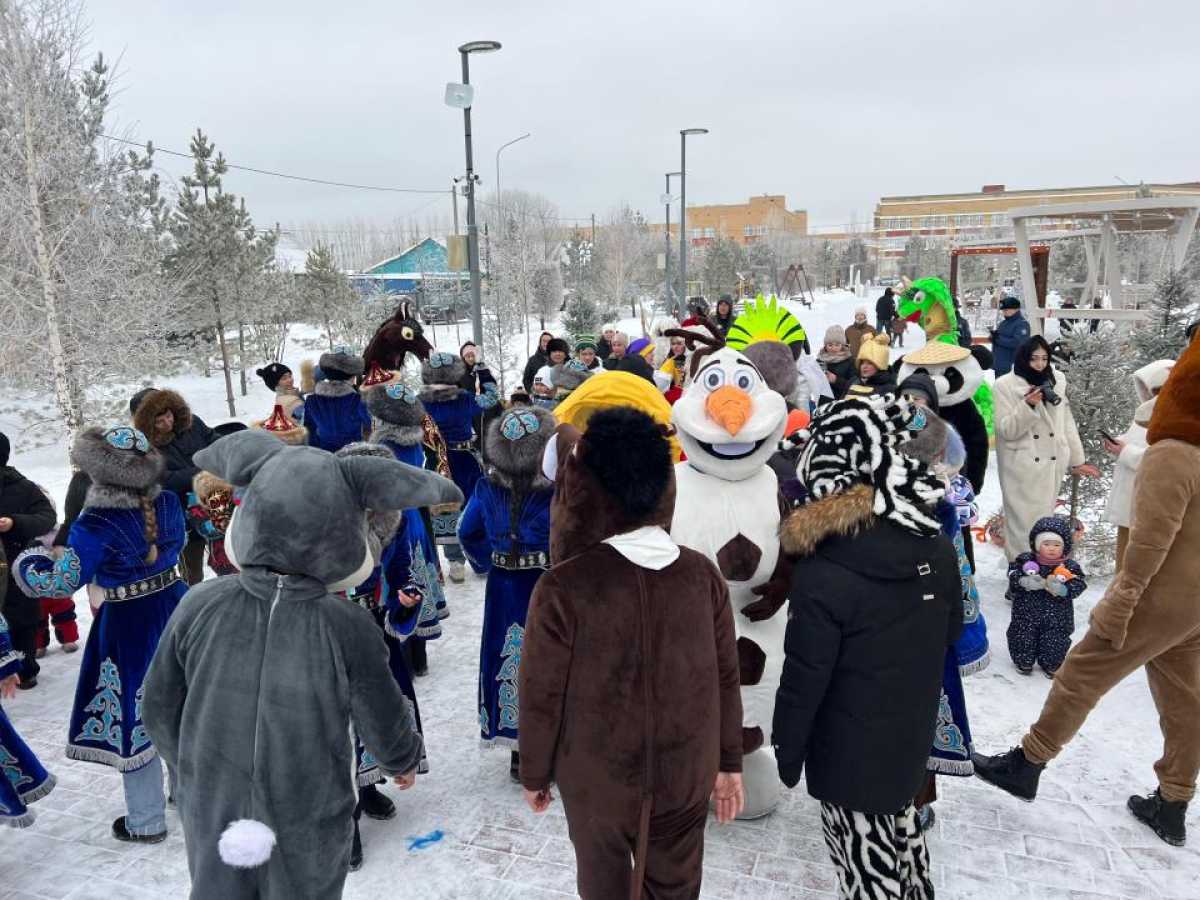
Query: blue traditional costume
column 453, row 411
column 505, row 530
column 127, row 540
column 334, row 413
column 22, row 778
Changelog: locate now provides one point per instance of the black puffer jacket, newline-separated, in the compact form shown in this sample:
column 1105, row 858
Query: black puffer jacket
column 871, row 612
column 32, row 515
column 189, row 436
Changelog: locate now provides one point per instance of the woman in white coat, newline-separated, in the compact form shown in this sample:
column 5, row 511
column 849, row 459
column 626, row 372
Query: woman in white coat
column 1037, row 442
column 1129, row 447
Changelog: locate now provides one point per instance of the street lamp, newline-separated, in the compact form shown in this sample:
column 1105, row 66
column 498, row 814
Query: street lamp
column 472, row 228
column 683, row 136
column 667, row 258
column 502, row 146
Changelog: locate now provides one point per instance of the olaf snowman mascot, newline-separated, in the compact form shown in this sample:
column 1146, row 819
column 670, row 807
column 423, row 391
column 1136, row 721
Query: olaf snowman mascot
column 729, row 422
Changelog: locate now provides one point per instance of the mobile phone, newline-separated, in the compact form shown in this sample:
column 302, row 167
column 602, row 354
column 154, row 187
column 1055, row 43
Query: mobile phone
column 1108, row 437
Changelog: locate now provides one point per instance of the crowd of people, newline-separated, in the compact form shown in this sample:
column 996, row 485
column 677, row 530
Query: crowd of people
column 778, row 575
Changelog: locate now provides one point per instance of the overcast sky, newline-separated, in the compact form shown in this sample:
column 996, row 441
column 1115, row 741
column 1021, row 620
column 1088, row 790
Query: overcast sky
column 832, row 104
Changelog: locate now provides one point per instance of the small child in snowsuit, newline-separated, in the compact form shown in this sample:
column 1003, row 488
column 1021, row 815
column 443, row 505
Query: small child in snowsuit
column 1044, row 585
column 58, row 612
column 210, row 505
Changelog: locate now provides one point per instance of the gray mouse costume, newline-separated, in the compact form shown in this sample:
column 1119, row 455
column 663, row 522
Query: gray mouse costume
column 258, row 677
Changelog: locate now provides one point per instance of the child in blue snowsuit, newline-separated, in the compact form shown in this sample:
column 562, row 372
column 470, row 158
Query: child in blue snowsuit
column 334, row 413
column 1044, row 584
column 505, row 531
column 22, row 778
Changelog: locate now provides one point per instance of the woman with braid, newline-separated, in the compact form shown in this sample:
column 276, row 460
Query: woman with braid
column 127, row 539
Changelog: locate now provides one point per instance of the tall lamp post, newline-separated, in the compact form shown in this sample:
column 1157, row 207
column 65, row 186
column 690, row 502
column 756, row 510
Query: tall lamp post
column 667, row 257
column 502, row 146
column 472, row 228
column 683, row 136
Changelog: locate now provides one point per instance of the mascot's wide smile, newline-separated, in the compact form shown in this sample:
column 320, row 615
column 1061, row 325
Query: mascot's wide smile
column 728, row 419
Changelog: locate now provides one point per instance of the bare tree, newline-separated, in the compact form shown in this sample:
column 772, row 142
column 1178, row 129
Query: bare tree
column 624, row 253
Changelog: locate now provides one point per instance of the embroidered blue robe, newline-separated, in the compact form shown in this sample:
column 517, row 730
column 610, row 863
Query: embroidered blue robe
column 488, row 525
column 108, row 546
column 335, row 421
column 411, row 560
column 455, row 420
column 22, row 778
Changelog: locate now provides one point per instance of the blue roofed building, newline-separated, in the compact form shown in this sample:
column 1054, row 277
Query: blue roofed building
column 422, row 268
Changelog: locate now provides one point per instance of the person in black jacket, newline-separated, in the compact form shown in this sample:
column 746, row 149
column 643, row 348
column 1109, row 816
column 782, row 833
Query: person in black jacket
column 166, row 419
column 474, row 380
column 875, row 601
column 25, row 515
column 885, row 311
column 540, row 358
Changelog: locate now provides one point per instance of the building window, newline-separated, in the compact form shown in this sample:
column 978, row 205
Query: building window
column 697, row 233
column 748, row 231
column 710, row 232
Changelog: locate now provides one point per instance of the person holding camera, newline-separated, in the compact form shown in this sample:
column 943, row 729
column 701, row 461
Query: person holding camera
column 1037, row 442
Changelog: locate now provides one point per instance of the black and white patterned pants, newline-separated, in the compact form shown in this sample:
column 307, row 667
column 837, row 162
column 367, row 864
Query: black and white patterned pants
column 877, row 857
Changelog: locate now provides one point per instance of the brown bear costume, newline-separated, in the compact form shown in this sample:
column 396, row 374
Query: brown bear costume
column 629, row 674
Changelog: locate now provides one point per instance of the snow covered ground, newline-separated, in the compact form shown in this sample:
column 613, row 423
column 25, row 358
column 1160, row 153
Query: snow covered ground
column 1076, row 841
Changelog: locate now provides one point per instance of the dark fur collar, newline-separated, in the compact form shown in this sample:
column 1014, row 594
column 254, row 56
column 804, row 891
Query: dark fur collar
column 404, row 435
column 539, row 483
column 439, row 393
column 329, row 388
column 109, row 496
column 844, row 514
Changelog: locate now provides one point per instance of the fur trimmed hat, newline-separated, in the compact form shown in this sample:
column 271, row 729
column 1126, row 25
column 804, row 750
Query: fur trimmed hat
column 151, row 404
column 120, row 456
column 443, row 368
column 557, row 344
column 395, row 404
column 775, row 361
column 341, row 364
column 272, row 373
column 1176, row 413
column 875, row 350
column 516, row 442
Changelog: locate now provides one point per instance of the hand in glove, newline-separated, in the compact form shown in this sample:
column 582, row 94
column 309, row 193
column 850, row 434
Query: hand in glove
column 1056, row 586
column 1110, row 617
column 1032, row 582
column 772, row 596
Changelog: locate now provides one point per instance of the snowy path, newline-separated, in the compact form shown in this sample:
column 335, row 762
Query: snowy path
column 1077, row 841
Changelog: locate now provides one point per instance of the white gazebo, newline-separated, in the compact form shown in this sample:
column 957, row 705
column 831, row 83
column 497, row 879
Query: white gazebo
column 1097, row 225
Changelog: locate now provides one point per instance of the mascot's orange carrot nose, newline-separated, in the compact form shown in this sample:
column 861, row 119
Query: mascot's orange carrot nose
column 730, row 407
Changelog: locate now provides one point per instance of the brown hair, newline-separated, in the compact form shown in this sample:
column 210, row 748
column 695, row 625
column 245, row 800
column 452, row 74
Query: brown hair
column 150, row 528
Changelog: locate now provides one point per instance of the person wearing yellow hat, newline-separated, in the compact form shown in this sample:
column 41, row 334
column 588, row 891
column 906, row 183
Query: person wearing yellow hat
column 873, row 376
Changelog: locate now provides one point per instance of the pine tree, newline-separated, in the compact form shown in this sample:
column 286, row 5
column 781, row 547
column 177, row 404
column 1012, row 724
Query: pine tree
column 328, row 286
column 1171, row 311
column 582, row 315
column 1102, row 399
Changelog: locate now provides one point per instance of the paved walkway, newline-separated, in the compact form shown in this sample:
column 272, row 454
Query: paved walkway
column 1076, row 842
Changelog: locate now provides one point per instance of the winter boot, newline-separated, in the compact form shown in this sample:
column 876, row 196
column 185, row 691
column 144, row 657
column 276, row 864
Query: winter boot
column 1025, row 670
column 375, row 804
column 70, row 646
column 514, row 767
column 356, row 854
column 1165, row 817
column 1010, row 772
column 121, row 833
column 458, row 572
column 418, row 657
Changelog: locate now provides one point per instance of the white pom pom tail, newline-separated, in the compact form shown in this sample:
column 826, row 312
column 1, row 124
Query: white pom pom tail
column 246, row 843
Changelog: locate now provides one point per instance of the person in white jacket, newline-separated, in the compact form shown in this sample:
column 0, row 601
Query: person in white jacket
column 1037, row 442
column 1129, row 447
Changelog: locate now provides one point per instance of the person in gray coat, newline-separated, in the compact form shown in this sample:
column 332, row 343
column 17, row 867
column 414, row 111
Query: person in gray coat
column 260, row 677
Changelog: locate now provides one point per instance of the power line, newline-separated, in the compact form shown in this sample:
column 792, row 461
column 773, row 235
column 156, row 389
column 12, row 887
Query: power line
column 257, row 171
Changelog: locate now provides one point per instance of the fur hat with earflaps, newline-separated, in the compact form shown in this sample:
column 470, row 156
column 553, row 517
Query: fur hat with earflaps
column 152, row 403
column 516, row 442
column 341, row 364
column 1176, row 413
column 443, row 368
column 398, row 413
column 119, row 457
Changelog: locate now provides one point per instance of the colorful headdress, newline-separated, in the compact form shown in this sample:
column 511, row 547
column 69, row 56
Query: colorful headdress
column 283, row 427
column 378, row 377
column 766, row 320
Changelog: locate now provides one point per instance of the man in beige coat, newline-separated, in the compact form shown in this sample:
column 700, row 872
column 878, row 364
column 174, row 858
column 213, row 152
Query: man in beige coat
column 1149, row 617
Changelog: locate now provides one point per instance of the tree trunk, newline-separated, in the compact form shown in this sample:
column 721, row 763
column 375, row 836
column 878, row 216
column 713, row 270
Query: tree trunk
column 216, row 301
column 242, row 355
column 67, row 391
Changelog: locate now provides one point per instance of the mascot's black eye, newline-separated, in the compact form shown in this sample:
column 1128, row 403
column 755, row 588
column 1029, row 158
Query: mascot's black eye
column 954, row 379
column 406, row 333
column 713, row 378
column 744, row 379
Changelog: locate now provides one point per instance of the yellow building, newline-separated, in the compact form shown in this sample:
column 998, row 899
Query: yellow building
column 741, row 222
column 979, row 214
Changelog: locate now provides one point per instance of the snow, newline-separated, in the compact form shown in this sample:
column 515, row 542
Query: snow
column 1076, row 841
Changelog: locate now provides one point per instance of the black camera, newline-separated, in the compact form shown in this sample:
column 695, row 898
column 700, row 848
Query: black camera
column 1049, row 395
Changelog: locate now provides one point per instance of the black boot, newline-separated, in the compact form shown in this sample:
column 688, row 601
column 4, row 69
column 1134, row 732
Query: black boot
column 1010, row 772
column 417, row 656
column 514, row 767
column 374, row 803
column 121, row 833
column 1164, row 816
column 356, row 856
